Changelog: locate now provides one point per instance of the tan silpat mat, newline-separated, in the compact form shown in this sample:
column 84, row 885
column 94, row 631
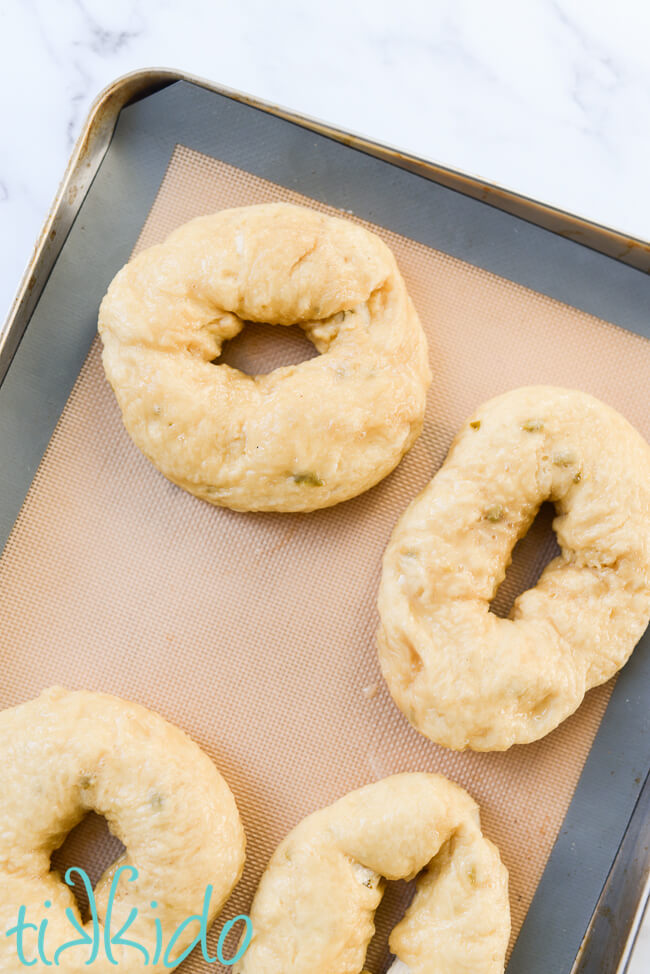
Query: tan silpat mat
column 255, row 633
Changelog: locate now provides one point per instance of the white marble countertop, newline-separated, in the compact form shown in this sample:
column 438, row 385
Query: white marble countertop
column 547, row 97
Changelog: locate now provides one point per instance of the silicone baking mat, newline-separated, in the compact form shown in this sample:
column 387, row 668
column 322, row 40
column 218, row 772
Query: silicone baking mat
column 255, row 633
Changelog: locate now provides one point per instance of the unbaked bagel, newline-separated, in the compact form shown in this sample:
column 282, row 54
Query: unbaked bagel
column 298, row 438
column 64, row 754
column 465, row 677
column 313, row 910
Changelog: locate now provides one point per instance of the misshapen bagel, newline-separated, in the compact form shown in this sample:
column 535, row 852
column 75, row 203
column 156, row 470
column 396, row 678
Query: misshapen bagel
column 465, row 677
column 64, row 754
column 313, row 910
column 298, row 438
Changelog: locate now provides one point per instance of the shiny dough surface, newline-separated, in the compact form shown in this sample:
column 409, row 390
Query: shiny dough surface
column 462, row 675
column 302, row 436
column 67, row 753
column 313, row 910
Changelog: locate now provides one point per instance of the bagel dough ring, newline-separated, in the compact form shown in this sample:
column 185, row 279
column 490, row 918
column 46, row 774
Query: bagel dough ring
column 300, row 437
column 465, row 677
column 313, row 910
column 66, row 753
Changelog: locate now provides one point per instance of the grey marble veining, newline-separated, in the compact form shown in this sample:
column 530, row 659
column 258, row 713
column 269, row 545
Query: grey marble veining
column 548, row 97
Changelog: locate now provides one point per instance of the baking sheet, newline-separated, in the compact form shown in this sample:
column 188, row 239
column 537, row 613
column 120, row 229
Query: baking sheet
column 255, row 633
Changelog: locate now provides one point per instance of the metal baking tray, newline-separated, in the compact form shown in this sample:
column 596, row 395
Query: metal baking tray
column 589, row 902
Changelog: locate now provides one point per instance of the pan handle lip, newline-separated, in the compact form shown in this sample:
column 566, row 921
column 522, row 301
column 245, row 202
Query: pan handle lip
column 95, row 137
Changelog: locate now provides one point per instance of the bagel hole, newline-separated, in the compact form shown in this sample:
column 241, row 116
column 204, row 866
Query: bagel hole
column 394, row 904
column 530, row 557
column 90, row 846
column 259, row 349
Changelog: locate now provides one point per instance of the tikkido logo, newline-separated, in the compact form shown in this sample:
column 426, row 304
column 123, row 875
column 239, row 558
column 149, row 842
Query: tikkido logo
column 161, row 953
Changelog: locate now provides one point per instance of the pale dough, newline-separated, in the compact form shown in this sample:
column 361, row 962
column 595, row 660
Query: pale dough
column 300, row 437
column 313, row 910
column 465, row 677
column 64, row 754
